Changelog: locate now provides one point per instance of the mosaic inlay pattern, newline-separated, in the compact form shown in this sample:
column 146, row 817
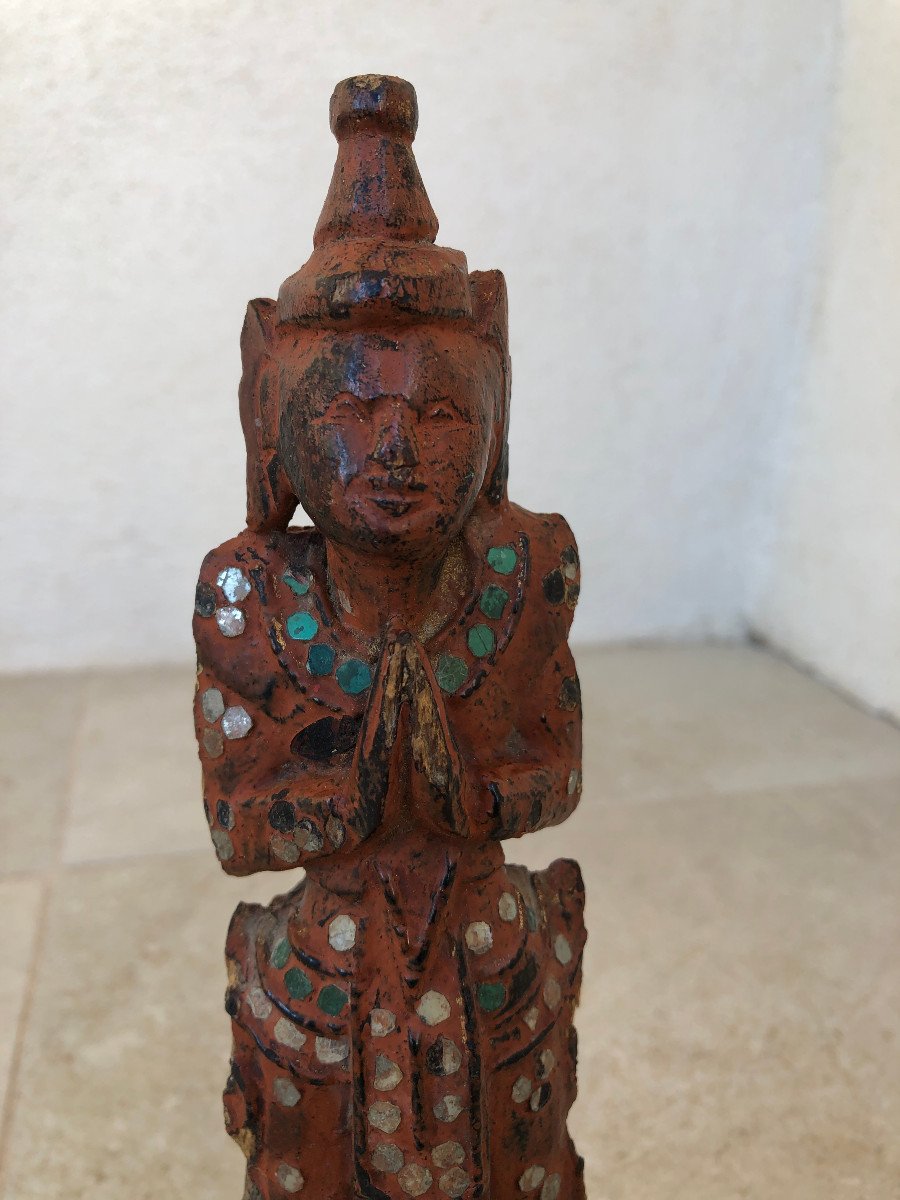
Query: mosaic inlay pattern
column 383, row 700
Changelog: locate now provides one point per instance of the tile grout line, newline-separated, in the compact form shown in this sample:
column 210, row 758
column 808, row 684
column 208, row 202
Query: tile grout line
column 69, row 788
column 760, row 641
column 48, row 878
column 12, row 1085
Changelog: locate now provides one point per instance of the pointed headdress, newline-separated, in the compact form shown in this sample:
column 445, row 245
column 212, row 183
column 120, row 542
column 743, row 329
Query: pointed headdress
column 374, row 261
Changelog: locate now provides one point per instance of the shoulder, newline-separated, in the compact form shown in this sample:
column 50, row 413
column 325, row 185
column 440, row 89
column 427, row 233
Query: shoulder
column 230, row 572
column 232, row 576
column 549, row 534
column 554, row 566
column 235, row 590
column 530, row 567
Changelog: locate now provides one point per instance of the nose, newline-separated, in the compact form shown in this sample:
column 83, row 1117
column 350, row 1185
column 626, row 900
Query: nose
column 396, row 445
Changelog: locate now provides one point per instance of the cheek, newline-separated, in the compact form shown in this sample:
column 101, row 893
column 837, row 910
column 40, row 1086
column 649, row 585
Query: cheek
column 335, row 453
column 457, row 460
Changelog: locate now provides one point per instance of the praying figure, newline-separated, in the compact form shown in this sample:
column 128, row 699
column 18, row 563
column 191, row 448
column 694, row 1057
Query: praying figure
column 382, row 700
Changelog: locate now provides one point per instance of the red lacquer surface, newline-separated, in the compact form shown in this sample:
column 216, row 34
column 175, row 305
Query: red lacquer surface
column 382, row 699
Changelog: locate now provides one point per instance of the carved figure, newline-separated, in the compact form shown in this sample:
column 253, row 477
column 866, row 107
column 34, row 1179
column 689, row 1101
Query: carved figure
column 381, row 699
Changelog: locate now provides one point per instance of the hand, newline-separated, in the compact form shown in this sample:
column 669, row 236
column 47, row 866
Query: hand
column 372, row 756
column 435, row 752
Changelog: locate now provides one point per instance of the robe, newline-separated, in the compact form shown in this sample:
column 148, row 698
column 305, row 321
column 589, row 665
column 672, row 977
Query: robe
column 402, row 1018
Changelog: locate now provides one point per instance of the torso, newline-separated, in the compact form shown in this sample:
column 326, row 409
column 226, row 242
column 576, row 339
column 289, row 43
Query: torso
column 310, row 673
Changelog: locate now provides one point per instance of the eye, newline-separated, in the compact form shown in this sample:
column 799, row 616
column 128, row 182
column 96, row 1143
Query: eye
column 343, row 407
column 441, row 412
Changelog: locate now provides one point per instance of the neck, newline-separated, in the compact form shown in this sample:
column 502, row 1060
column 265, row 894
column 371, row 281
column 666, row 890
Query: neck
column 419, row 595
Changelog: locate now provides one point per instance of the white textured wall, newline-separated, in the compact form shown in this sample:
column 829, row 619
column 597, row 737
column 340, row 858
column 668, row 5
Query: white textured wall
column 828, row 589
column 646, row 172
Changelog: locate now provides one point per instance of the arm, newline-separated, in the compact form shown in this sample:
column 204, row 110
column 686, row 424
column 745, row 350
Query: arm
column 543, row 787
column 501, row 797
column 482, row 782
column 266, row 811
column 524, row 795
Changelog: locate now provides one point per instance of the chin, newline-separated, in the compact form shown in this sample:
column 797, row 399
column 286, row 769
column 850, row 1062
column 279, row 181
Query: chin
column 402, row 530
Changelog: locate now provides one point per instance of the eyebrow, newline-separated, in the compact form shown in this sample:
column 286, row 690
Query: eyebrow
column 442, row 398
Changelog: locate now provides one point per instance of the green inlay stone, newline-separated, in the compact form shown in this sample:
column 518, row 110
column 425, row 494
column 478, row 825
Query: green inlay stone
column 281, row 952
column 302, row 626
column 320, row 660
column 297, row 983
column 481, row 640
column 531, row 919
column 502, row 559
column 353, row 676
column 491, row 996
column 450, row 672
column 493, row 601
column 298, row 586
column 332, row 999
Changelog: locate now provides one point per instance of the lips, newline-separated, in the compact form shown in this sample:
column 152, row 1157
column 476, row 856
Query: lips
column 396, row 507
column 394, row 493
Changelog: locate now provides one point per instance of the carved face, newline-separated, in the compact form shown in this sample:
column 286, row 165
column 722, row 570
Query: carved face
column 386, row 439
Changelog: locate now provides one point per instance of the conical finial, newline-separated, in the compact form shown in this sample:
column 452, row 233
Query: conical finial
column 376, row 188
column 374, row 255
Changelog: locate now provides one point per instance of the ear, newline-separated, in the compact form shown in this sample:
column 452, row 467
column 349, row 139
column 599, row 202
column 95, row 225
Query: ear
column 270, row 498
column 488, row 289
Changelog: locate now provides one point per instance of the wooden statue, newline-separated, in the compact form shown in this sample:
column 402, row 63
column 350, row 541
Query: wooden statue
column 382, row 699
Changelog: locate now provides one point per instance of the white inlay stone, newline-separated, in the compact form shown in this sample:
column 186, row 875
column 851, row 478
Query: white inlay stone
column 521, row 1089
column 290, row 1178
column 531, row 1019
column 562, row 949
column 230, row 621
column 387, row 1073
column 448, row 1108
column 236, row 722
column 550, row 1190
column 479, row 937
column 548, row 1062
column 552, row 993
column 308, row 837
column 507, row 907
column 288, row 852
column 574, row 782
column 384, row 1115
column 454, row 1183
column 531, row 1178
column 336, row 833
column 445, row 1055
column 288, row 1034
column 382, row 1022
column 539, row 1097
column 285, row 1092
column 433, row 1008
column 234, row 583
column 448, row 1154
column 387, row 1157
column 213, row 742
column 212, row 704
column 414, row 1179
column 222, row 843
column 260, row 1004
column 332, row 1050
column 342, row 933
column 343, row 600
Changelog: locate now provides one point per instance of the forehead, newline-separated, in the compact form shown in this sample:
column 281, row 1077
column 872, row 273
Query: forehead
column 410, row 362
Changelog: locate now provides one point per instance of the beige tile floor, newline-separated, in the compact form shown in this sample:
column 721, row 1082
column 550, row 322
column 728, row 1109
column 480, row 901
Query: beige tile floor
column 740, row 838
